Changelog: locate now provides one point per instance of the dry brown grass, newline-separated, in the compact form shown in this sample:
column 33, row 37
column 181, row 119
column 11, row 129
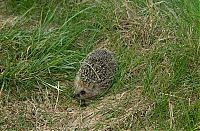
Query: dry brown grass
column 5, row 19
column 129, row 107
column 147, row 44
column 45, row 111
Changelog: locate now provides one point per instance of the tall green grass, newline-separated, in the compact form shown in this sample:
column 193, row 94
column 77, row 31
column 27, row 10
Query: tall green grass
column 156, row 46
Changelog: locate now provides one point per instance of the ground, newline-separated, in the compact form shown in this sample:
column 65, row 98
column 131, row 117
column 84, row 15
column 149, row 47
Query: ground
column 156, row 46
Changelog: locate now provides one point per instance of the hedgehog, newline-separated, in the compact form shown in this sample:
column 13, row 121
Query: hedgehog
column 95, row 75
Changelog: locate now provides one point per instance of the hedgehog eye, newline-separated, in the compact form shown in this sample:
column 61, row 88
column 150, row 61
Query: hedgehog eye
column 82, row 92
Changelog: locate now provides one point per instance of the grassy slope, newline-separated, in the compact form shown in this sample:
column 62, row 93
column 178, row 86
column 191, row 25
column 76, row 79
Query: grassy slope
column 156, row 46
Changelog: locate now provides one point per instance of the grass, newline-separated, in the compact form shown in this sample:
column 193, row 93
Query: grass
column 156, row 44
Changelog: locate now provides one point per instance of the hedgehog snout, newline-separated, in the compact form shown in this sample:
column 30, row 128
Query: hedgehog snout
column 76, row 95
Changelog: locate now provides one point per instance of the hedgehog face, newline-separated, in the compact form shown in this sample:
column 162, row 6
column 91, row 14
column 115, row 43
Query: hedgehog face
column 85, row 92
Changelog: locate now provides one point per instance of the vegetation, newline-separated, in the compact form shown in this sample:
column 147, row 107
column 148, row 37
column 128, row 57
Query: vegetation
column 156, row 44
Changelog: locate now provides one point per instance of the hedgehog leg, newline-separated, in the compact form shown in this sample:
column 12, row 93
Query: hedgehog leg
column 83, row 103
